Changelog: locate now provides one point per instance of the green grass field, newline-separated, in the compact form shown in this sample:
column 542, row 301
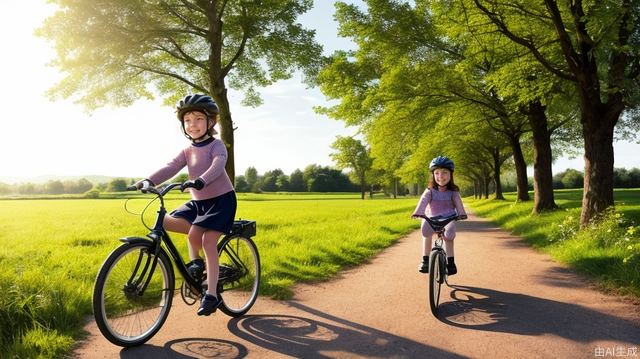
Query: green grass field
column 50, row 252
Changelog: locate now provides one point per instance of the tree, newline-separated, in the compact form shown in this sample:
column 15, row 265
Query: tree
column 54, row 187
column 251, row 176
column 241, row 184
column 296, row 181
column 572, row 179
column 598, row 45
column 117, row 185
column 118, row 51
column 269, row 180
column 351, row 153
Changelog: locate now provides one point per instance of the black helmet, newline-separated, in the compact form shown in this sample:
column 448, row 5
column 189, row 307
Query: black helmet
column 202, row 103
column 441, row 162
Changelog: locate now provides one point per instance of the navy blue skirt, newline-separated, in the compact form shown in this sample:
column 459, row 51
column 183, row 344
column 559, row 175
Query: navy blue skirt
column 215, row 213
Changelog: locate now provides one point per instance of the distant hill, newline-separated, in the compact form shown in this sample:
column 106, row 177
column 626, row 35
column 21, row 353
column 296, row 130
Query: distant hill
column 95, row 179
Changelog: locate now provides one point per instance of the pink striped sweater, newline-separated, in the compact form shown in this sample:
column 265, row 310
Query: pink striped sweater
column 206, row 160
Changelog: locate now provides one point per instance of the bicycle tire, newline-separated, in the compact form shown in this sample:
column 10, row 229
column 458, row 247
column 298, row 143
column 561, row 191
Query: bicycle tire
column 240, row 270
column 124, row 316
column 436, row 276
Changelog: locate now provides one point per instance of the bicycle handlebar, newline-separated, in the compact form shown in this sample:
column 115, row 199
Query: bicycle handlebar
column 161, row 191
column 441, row 221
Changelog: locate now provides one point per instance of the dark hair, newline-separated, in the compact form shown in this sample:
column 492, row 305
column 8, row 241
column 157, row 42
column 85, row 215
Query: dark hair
column 450, row 186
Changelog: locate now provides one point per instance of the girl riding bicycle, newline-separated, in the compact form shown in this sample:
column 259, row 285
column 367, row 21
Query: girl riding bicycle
column 442, row 199
column 212, row 209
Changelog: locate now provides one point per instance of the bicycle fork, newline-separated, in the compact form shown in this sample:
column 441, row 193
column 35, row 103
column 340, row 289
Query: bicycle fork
column 141, row 275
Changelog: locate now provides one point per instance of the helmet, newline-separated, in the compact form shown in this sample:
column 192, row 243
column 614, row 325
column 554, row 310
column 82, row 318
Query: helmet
column 441, row 162
column 202, row 103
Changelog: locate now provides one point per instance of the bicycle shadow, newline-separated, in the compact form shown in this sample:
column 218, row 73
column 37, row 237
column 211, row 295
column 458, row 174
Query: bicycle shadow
column 329, row 336
column 491, row 310
column 188, row 348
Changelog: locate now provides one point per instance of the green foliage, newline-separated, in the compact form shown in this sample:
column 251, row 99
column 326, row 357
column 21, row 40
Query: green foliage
column 118, row 51
column 45, row 298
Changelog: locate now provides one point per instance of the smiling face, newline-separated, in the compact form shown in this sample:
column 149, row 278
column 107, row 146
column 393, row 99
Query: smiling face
column 196, row 125
column 442, row 176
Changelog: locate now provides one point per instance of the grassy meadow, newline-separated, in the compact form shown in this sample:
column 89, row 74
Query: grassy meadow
column 51, row 250
column 608, row 252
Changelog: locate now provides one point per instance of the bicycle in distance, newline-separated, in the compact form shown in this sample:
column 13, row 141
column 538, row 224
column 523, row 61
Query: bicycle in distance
column 135, row 286
column 438, row 259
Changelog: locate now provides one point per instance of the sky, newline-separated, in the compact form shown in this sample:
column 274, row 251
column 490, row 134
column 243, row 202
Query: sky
column 39, row 137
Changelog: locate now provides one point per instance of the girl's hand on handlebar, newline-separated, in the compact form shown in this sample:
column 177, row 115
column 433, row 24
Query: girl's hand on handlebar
column 142, row 185
column 198, row 184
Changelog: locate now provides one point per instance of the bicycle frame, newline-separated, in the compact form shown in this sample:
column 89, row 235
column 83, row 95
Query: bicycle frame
column 159, row 236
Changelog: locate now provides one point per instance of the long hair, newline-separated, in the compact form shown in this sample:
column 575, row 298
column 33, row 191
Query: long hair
column 451, row 186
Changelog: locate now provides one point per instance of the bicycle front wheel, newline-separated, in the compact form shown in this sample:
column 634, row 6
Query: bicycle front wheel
column 239, row 275
column 133, row 293
column 436, row 276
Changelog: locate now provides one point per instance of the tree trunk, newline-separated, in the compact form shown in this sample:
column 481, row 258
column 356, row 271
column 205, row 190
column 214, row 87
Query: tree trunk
column 496, row 173
column 395, row 188
column 598, row 164
column 522, row 181
column 363, row 186
column 542, row 171
column 486, row 181
column 226, row 129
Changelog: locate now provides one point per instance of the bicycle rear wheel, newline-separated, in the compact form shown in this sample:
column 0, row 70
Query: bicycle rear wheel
column 239, row 275
column 133, row 293
column 436, row 277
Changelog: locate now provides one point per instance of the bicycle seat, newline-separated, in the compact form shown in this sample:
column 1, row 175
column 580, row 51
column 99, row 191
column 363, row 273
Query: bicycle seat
column 439, row 222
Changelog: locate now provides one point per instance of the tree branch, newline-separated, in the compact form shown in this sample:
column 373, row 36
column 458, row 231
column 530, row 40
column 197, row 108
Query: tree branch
column 170, row 74
column 524, row 42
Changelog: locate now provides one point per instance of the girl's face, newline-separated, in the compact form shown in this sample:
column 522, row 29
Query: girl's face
column 196, row 124
column 442, row 176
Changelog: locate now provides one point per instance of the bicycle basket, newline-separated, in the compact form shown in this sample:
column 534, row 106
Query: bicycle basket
column 245, row 228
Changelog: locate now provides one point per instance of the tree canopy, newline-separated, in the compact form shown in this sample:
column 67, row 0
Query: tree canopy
column 116, row 52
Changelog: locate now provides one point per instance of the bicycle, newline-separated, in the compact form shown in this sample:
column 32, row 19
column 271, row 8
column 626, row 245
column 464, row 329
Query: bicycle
column 135, row 285
column 438, row 259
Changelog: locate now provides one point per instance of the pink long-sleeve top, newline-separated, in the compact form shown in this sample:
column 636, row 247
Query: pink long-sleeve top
column 206, row 160
column 441, row 203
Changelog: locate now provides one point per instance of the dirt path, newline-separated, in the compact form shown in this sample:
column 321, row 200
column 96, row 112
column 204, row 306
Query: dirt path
column 507, row 301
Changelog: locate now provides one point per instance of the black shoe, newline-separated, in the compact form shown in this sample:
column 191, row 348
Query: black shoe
column 208, row 304
column 451, row 268
column 424, row 267
column 196, row 269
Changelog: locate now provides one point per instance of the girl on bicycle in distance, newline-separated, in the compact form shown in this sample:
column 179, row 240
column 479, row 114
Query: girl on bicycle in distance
column 442, row 199
column 212, row 209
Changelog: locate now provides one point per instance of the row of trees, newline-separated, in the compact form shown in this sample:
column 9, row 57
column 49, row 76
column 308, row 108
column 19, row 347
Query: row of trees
column 55, row 187
column 496, row 85
column 51, row 187
column 493, row 84
column 314, row 178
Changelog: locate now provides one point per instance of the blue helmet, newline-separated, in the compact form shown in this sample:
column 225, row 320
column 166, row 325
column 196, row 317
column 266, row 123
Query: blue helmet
column 441, row 162
column 202, row 103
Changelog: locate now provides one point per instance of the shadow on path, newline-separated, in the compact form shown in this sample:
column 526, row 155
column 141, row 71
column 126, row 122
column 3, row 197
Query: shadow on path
column 188, row 348
column 304, row 337
column 495, row 311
